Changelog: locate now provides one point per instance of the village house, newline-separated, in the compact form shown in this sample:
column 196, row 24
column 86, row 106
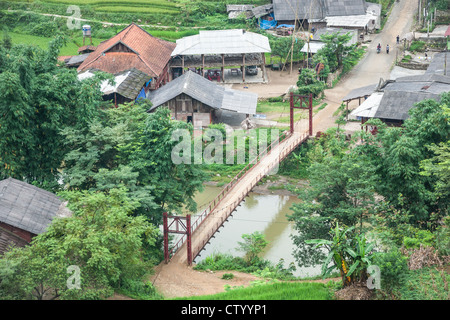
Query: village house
column 195, row 99
column 350, row 14
column 391, row 100
column 235, row 51
column 315, row 44
column 132, row 54
column 25, row 211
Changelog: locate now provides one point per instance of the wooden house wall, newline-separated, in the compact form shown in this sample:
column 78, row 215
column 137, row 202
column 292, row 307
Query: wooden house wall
column 11, row 236
column 119, row 47
column 185, row 108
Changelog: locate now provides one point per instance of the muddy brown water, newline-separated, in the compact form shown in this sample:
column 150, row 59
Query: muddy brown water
column 266, row 213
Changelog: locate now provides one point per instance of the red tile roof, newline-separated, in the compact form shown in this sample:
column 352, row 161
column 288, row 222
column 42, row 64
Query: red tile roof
column 447, row 32
column 149, row 54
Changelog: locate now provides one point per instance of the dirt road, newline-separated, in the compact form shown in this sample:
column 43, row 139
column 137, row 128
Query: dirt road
column 176, row 280
column 373, row 66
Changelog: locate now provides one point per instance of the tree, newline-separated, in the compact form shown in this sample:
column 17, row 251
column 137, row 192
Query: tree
column 7, row 41
column 129, row 147
column 308, row 82
column 397, row 154
column 175, row 185
column 341, row 188
column 38, row 99
column 336, row 48
column 102, row 239
column 438, row 166
column 252, row 245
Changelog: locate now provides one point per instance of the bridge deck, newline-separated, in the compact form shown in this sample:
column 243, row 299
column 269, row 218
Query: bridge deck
column 220, row 209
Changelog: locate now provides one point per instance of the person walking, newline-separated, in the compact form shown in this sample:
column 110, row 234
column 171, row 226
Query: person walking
column 387, row 49
column 398, row 39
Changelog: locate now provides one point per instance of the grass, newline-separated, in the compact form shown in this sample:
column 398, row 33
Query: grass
column 131, row 9
column 417, row 46
column 272, row 107
column 132, row 6
column 70, row 49
column 272, row 291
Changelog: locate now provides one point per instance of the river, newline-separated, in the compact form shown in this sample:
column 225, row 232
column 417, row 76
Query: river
column 259, row 212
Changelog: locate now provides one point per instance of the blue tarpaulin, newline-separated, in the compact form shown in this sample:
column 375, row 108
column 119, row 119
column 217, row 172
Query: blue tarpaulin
column 267, row 24
column 141, row 94
column 285, row 25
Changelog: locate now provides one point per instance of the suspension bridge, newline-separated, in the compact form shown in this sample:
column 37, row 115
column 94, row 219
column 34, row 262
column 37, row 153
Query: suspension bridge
column 195, row 235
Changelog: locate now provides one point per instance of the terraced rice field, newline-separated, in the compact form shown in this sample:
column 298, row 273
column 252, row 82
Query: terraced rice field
column 132, row 6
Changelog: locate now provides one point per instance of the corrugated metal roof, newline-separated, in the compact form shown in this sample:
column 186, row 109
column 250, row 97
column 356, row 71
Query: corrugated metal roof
column 369, row 107
column 260, row 11
column 27, row 207
column 340, row 31
column 314, row 46
column 359, row 21
column 440, row 64
column 395, row 105
column 77, row 60
column 127, row 83
column 193, row 85
column 239, row 101
column 234, row 41
column 399, row 96
column 360, row 92
column 205, row 91
column 239, row 7
column 316, row 9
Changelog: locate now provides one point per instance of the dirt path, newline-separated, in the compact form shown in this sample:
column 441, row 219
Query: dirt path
column 178, row 280
column 372, row 67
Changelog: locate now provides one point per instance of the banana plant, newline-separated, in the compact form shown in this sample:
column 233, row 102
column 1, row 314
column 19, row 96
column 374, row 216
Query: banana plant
column 337, row 252
column 361, row 257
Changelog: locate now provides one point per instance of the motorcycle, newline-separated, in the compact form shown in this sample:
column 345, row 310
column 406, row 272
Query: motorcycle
column 378, row 50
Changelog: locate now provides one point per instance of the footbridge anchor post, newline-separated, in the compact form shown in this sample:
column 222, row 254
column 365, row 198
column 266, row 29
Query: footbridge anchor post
column 302, row 99
column 182, row 225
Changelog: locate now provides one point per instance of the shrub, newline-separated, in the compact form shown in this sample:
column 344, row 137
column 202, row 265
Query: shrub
column 44, row 29
column 138, row 289
column 227, row 276
column 417, row 46
column 443, row 238
column 421, row 237
column 308, row 83
column 393, row 269
column 426, row 284
column 252, row 245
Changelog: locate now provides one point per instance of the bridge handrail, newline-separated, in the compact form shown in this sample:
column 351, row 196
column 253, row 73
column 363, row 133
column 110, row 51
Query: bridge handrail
column 215, row 202
column 282, row 155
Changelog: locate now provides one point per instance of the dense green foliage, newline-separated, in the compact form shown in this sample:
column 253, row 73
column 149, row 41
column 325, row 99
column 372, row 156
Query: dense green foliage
column 126, row 146
column 391, row 187
column 336, row 54
column 102, row 239
column 116, row 169
column 38, row 98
